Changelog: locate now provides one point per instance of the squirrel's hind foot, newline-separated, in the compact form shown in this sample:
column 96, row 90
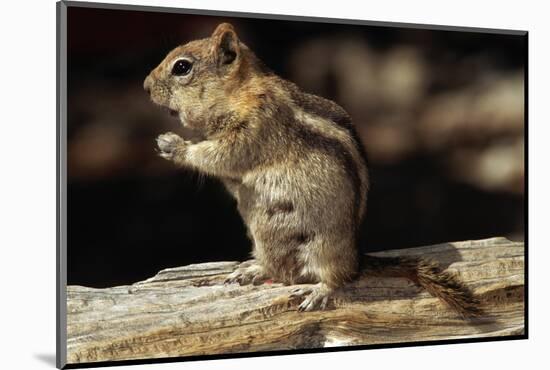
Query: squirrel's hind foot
column 315, row 297
column 248, row 272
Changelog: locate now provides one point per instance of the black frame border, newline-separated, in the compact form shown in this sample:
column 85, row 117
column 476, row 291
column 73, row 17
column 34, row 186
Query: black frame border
column 61, row 185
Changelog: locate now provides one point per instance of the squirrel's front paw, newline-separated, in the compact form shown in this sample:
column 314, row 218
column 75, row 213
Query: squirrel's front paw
column 169, row 143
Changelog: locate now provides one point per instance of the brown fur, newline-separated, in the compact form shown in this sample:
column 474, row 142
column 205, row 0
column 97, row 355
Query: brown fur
column 429, row 276
column 292, row 161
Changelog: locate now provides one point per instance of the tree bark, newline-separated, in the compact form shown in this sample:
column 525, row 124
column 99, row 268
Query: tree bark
column 188, row 310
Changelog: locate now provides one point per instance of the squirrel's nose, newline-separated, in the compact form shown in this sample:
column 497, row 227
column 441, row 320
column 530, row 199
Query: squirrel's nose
column 147, row 84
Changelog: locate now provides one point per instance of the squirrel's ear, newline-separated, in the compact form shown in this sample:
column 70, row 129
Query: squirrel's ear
column 226, row 44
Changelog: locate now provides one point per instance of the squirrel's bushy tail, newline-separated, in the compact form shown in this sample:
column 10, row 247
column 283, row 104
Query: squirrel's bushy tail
column 428, row 275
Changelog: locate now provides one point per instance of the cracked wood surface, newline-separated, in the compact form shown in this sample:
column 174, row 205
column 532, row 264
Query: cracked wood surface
column 188, row 310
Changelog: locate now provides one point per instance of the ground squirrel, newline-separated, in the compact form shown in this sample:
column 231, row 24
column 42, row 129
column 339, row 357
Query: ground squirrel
column 292, row 161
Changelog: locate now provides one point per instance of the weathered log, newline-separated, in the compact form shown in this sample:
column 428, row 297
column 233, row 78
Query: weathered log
column 189, row 311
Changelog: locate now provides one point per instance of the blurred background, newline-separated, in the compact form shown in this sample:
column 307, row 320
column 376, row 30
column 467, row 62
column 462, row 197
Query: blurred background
column 441, row 115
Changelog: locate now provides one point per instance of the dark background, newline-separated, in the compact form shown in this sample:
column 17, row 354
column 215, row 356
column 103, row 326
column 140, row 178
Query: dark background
column 441, row 115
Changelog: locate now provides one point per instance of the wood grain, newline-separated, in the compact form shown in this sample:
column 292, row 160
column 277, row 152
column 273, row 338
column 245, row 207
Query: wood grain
column 189, row 311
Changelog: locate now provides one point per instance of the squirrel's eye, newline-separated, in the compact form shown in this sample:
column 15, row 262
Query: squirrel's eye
column 181, row 67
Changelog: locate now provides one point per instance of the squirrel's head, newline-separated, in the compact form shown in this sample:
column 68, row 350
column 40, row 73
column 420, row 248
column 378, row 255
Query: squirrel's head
column 195, row 79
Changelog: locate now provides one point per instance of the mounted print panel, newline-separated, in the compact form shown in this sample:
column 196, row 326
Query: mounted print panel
column 235, row 184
